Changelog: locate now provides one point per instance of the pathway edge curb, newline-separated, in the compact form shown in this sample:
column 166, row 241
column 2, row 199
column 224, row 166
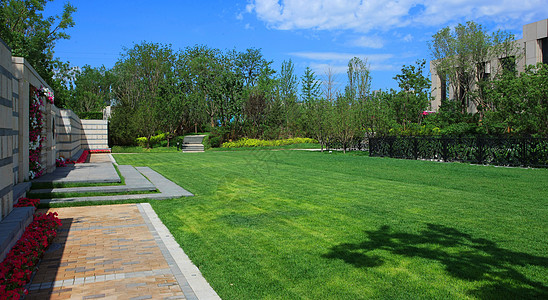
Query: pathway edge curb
column 192, row 274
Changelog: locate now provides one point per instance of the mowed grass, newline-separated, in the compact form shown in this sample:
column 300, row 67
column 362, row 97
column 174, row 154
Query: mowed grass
column 310, row 225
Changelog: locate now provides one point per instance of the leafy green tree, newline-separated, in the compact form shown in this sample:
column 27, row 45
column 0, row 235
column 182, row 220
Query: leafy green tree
column 287, row 88
column 414, row 95
column 520, row 102
column 359, row 79
column 92, row 89
column 31, row 35
column 345, row 120
column 249, row 65
column 319, row 117
column 143, row 73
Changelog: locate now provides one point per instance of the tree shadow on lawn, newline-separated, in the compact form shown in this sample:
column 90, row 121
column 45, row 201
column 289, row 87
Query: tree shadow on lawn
column 464, row 257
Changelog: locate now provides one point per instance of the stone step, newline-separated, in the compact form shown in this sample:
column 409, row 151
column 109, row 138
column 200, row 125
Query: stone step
column 82, row 173
column 167, row 188
column 193, row 146
column 134, row 182
column 193, row 139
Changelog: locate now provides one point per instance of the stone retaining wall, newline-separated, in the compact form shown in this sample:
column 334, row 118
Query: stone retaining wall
column 9, row 131
column 65, row 133
column 94, row 134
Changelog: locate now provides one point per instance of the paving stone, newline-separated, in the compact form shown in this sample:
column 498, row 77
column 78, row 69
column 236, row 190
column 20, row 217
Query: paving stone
column 97, row 270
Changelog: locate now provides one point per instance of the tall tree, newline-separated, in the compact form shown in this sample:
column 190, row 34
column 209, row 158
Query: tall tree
column 92, row 91
column 287, row 87
column 359, row 79
column 414, row 96
column 310, row 86
column 143, row 73
column 329, row 85
column 31, row 35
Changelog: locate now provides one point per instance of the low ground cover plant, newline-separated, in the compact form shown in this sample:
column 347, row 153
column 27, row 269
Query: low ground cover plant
column 245, row 142
column 17, row 267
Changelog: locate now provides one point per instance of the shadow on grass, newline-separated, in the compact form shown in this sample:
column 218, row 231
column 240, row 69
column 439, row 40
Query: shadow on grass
column 464, row 257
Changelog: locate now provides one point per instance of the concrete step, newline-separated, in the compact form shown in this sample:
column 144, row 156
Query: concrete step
column 193, row 148
column 167, row 188
column 82, row 173
column 193, row 139
column 134, row 182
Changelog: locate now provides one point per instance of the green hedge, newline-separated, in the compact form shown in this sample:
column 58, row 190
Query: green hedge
column 245, row 142
column 155, row 139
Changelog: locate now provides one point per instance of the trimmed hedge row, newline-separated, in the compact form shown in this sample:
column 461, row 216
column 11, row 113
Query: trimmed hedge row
column 245, row 142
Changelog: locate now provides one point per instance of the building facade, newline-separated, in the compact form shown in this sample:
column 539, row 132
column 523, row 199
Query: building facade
column 533, row 49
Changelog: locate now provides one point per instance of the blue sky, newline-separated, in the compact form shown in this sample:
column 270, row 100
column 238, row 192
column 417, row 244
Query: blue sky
column 315, row 33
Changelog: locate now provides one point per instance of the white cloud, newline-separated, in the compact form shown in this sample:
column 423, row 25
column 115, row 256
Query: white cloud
column 239, row 17
column 338, row 62
column 338, row 56
column 408, row 38
column 368, row 42
column 321, row 68
column 248, row 27
column 363, row 16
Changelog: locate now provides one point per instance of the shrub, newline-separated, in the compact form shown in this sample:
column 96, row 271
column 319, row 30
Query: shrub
column 245, row 142
column 154, row 140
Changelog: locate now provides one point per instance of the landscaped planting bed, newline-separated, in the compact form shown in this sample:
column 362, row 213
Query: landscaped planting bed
column 302, row 225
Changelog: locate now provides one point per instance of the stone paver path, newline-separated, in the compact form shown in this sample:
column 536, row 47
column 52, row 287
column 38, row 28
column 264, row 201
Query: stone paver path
column 116, row 252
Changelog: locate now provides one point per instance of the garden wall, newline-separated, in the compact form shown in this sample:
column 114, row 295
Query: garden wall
column 9, row 130
column 62, row 133
column 69, row 132
column 94, row 134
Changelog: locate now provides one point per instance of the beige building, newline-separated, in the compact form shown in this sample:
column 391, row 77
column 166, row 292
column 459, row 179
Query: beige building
column 533, row 47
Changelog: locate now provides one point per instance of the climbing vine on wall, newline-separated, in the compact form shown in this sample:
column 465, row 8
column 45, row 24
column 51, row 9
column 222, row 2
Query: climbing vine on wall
column 36, row 124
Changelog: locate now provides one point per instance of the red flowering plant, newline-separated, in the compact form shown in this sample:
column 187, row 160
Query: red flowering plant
column 99, row 151
column 27, row 202
column 63, row 162
column 17, row 267
column 83, row 157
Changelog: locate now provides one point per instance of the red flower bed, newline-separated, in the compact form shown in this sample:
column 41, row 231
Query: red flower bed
column 27, row 202
column 83, row 157
column 17, row 267
column 99, row 151
column 63, row 162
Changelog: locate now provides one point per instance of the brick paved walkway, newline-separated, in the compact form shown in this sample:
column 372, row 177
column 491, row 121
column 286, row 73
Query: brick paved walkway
column 109, row 252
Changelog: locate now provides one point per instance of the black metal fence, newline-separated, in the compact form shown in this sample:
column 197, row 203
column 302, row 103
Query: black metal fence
column 503, row 151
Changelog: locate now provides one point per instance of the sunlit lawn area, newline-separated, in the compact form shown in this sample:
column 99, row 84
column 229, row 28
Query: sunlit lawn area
column 305, row 225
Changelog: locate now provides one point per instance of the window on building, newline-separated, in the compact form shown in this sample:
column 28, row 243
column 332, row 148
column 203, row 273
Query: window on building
column 483, row 70
column 443, row 88
column 544, row 50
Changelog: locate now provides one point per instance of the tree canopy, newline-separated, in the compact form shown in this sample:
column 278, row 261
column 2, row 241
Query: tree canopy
column 31, row 35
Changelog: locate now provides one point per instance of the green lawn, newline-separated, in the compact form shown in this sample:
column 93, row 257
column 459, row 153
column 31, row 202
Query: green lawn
column 303, row 225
